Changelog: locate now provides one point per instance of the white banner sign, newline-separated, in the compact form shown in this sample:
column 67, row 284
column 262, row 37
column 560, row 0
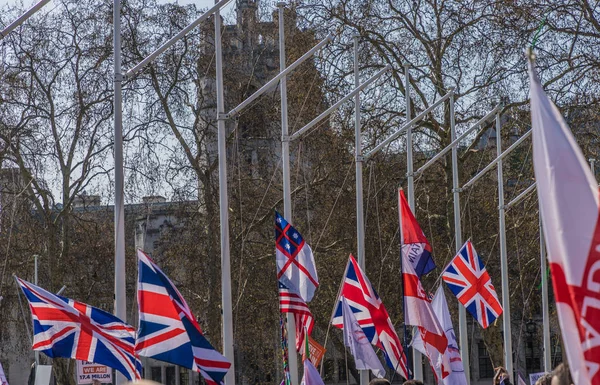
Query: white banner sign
column 533, row 377
column 87, row 372
column 3, row 380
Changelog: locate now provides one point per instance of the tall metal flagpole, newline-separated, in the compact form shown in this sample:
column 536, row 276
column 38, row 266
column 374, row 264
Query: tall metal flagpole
column 360, row 222
column 545, row 308
column 120, row 295
column 287, row 195
column 224, row 209
column 506, row 327
column 462, row 312
column 417, row 359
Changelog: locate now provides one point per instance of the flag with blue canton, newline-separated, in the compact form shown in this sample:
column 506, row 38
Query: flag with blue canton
column 295, row 261
column 415, row 247
column 66, row 328
column 168, row 331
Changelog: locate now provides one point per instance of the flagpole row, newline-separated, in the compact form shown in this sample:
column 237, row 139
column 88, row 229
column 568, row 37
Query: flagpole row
column 21, row 19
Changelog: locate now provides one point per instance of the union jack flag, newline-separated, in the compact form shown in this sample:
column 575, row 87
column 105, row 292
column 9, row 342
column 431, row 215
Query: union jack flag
column 290, row 302
column 168, row 331
column 66, row 328
column 295, row 260
column 470, row 282
column 371, row 315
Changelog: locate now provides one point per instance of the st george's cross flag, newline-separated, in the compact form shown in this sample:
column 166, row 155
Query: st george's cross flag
column 419, row 313
column 361, row 349
column 371, row 314
column 470, row 282
column 415, row 247
column 66, row 328
column 168, row 331
column 295, row 261
column 568, row 196
column 440, row 309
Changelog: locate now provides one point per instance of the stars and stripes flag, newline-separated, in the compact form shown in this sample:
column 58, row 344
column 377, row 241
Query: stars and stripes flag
column 568, row 195
column 290, row 302
column 295, row 261
column 470, row 282
column 66, row 328
column 168, row 331
column 371, row 314
column 419, row 312
column 415, row 247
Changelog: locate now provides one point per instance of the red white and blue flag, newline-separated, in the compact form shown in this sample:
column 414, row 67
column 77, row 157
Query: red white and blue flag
column 290, row 302
column 371, row 315
column 470, row 282
column 568, row 195
column 415, row 247
column 168, row 331
column 66, row 328
column 295, row 261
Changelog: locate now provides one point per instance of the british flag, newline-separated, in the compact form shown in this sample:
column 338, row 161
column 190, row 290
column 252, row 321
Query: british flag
column 168, row 331
column 470, row 282
column 290, row 302
column 66, row 328
column 371, row 315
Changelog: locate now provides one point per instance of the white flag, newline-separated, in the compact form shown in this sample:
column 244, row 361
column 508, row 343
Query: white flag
column 440, row 308
column 365, row 357
column 311, row 375
column 568, row 195
column 3, row 380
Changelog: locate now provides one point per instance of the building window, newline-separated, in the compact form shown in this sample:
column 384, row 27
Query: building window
column 170, row 375
column 184, row 376
column 156, row 374
column 486, row 370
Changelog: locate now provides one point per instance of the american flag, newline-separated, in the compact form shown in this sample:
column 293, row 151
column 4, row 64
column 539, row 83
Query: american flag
column 292, row 303
column 66, row 328
column 371, row 315
column 168, row 331
column 470, row 282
